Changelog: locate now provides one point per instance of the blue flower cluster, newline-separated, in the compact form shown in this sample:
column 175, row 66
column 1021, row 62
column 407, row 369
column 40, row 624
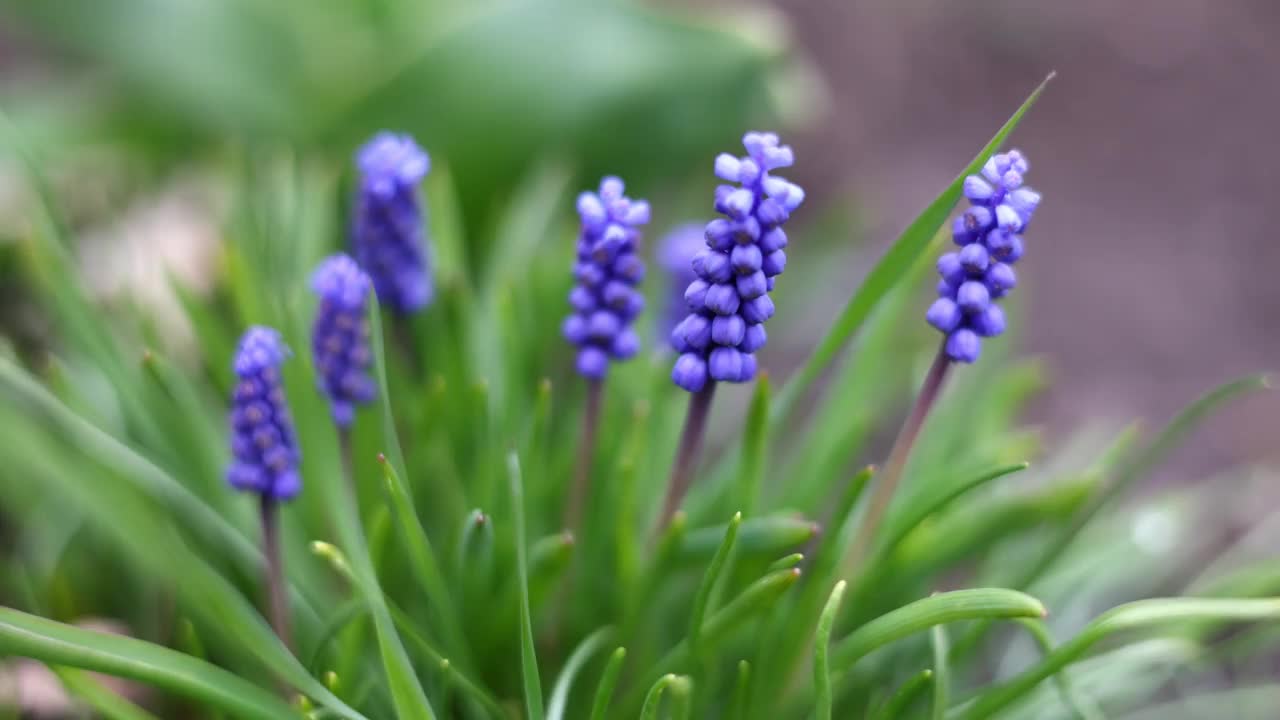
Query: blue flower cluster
column 989, row 234
column 388, row 237
column 604, row 299
column 728, row 302
column 263, row 443
column 340, row 337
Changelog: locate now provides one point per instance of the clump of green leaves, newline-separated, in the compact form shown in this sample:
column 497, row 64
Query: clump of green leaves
column 442, row 585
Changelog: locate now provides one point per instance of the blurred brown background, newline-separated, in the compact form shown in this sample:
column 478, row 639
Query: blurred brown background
column 1152, row 265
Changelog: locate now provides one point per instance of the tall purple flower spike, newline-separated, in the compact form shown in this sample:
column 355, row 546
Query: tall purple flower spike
column 675, row 255
column 388, row 237
column 264, row 446
column 989, row 234
column 728, row 302
column 340, row 337
column 604, row 299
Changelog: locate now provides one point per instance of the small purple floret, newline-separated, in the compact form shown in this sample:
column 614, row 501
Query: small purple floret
column 264, row 446
column 989, row 234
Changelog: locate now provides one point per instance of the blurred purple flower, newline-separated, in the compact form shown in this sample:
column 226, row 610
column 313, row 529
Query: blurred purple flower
column 727, row 302
column 604, row 299
column 340, row 337
column 675, row 254
column 264, row 446
column 388, row 236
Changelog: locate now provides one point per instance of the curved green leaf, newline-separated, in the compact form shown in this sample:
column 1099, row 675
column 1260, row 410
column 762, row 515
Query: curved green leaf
column 608, row 681
column 59, row 644
column 1135, row 615
column 559, row 700
column 709, row 579
column 821, row 647
column 935, row 610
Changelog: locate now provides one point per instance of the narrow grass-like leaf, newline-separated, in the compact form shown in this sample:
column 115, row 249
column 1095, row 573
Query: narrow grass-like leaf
column 709, row 580
column 528, row 656
column 887, row 272
column 754, row 600
column 766, row 536
column 108, row 704
column 785, row 562
column 1133, row 616
column 755, row 450
column 608, row 682
column 558, row 703
column 941, row 672
column 821, row 647
column 741, row 692
column 424, row 563
column 1083, row 708
column 1129, row 473
column 55, row 643
column 474, row 689
column 920, row 510
column 935, row 610
column 898, row 703
column 653, row 700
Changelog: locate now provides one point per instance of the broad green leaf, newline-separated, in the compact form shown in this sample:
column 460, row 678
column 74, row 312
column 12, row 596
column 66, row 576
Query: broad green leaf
column 110, row 704
column 58, row 644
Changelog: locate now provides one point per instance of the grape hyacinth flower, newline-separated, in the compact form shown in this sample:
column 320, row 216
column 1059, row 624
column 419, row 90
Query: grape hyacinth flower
column 729, row 300
column 605, row 304
column 675, row 254
column 265, row 451
column 388, row 236
column 340, row 337
column 263, row 443
column 981, row 272
column 604, row 299
column 989, row 234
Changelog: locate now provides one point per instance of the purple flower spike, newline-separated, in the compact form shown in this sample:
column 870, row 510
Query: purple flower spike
column 605, row 301
column 340, row 337
column 264, row 446
column 727, row 298
column 680, row 251
column 388, row 236
column 989, row 234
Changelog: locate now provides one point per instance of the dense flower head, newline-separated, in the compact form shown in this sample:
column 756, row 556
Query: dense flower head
column 989, row 234
column 340, row 336
column 264, row 446
column 675, row 255
column 728, row 300
column 604, row 298
column 388, row 235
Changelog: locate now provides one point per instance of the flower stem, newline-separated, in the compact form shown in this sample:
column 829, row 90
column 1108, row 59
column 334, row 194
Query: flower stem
column 277, row 591
column 695, row 426
column 586, row 456
column 886, row 485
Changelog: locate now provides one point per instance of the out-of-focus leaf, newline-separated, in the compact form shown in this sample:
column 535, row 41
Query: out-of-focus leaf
column 59, row 644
